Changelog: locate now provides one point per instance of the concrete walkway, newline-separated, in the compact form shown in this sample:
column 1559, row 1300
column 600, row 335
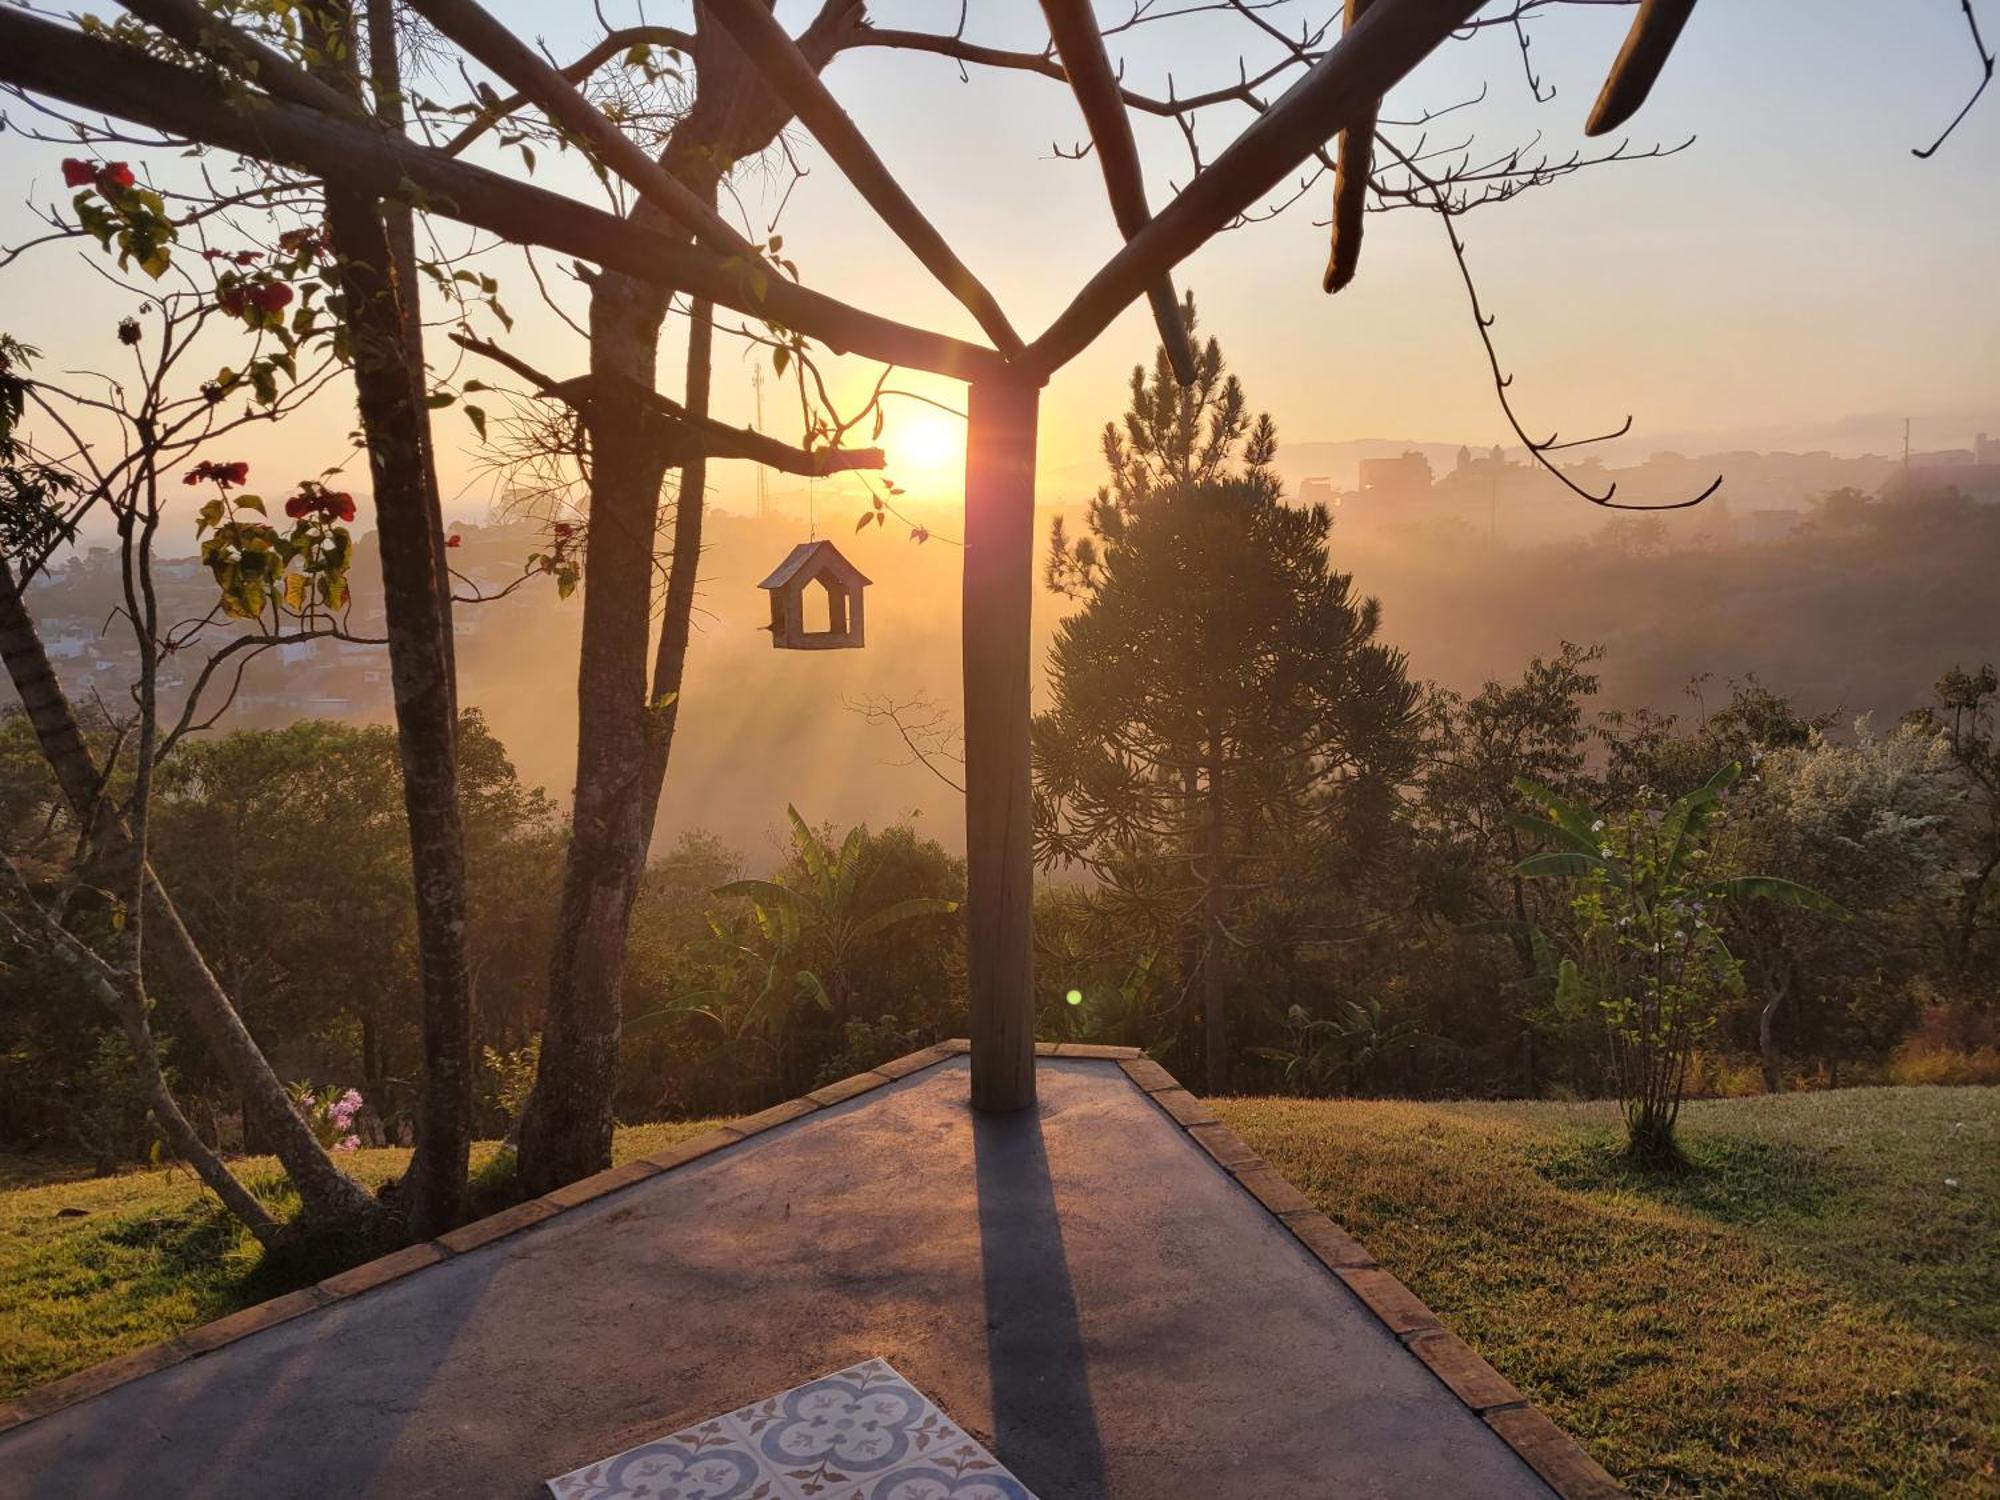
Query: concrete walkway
column 1083, row 1289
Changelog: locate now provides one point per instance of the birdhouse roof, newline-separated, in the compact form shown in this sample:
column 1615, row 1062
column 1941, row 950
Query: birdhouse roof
column 807, row 561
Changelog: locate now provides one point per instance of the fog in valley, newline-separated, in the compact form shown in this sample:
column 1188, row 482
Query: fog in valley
column 1480, row 563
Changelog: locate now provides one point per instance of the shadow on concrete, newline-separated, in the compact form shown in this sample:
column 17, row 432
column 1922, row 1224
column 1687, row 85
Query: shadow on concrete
column 227, row 1422
column 1044, row 1421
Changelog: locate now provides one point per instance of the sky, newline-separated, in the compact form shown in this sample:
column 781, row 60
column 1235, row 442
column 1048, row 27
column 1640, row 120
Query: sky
column 1794, row 267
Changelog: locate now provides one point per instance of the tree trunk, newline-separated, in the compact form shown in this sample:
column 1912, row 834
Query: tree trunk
column 327, row 1195
column 625, row 731
column 567, row 1130
column 1215, row 1027
column 1767, row 1035
column 420, row 669
column 381, row 319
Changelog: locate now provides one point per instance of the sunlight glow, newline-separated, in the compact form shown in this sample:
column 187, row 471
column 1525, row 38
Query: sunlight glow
column 925, row 448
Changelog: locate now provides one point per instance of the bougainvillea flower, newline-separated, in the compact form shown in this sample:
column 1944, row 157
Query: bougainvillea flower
column 271, row 296
column 78, row 173
column 453, row 540
column 115, row 173
column 222, row 474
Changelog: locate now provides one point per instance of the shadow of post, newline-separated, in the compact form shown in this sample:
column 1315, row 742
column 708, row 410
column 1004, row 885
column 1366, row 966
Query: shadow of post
column 1045, row 1424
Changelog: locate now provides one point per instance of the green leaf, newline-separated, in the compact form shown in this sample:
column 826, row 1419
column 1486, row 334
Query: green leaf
column 1777, row 889
column 897, row 912
column 810, row 986
column 478, row 420
column 1573, row 818
column 1559, row 864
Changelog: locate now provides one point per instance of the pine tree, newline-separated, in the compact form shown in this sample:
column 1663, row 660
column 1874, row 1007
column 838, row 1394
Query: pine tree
column 1221, row 709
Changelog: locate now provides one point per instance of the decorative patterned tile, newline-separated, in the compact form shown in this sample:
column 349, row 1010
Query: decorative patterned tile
column 863, row 1433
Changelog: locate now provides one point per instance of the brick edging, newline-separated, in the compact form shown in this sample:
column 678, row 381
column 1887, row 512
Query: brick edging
column 1552, row 1453
column 191, row 1343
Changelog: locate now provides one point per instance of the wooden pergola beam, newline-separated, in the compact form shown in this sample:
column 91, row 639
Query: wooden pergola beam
column 715, row 439
column 466, row 23
column 1350, row 185
column 202, row 31
column 1365, row 64
column 1647, row 47
column 81, row 70
column 1073, row 28
column 773, row 52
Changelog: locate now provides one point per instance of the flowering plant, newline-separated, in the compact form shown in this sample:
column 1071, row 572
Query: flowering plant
column 1646, row 948
column 331, row 1113
column 258, row 567
column 113, row 209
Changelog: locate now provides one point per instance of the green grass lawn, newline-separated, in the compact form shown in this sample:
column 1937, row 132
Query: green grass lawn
column 1814, row 1311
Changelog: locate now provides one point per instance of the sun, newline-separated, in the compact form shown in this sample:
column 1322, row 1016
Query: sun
column 925, row 447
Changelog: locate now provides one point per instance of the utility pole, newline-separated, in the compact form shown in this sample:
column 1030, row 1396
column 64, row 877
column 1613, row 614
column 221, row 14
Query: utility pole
column 763, row 474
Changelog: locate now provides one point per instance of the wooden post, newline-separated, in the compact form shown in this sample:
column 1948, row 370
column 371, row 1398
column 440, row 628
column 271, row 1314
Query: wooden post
column 999, row 596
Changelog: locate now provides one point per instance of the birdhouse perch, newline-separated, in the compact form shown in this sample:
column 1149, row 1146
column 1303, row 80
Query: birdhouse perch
column 809, row 564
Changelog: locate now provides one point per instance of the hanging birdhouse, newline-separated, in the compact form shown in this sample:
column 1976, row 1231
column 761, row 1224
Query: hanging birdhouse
column 815, row 600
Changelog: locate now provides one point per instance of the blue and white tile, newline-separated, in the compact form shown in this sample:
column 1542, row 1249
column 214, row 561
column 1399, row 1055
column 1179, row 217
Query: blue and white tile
column 863, row 1433
column 705, row 1462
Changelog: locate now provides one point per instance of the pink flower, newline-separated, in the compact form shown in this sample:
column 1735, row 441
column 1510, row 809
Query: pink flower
column 222, row 474
column 348, row 1143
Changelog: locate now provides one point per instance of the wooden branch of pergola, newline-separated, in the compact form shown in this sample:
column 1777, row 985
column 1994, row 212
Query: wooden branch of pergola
column 514, row 60
column 1350, row 186
column 1080, row 44
column 1647, row 46
column 94, row 74
column 771, row 49
column 1359, row 69
column 203, row 31
column 607, row 47
column 718, row 439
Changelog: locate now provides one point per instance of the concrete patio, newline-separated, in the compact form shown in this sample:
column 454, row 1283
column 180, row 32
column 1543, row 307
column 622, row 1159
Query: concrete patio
column 1091, row 1289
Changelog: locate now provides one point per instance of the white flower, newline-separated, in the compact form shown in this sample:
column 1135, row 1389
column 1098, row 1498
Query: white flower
column 1598, row 826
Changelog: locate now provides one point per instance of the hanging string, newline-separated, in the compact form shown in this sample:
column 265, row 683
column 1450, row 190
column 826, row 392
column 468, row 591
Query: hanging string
column 812, row 522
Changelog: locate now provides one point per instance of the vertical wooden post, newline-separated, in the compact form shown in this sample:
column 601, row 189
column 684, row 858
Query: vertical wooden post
column 999, row 596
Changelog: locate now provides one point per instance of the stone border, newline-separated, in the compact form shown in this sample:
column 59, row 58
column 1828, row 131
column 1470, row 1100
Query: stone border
column 1552, row 1453
column 1543, row 1446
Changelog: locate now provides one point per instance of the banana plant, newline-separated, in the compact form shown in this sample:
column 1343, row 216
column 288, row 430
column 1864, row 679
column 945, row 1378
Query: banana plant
column 1587, row 852
column 828, row 911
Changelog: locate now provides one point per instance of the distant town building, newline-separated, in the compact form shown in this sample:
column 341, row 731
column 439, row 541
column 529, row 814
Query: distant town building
column 1317, row 490
column 1406, row 477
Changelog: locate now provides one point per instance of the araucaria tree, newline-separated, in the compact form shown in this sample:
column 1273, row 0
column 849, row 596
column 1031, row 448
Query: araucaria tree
column 1220, row 707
